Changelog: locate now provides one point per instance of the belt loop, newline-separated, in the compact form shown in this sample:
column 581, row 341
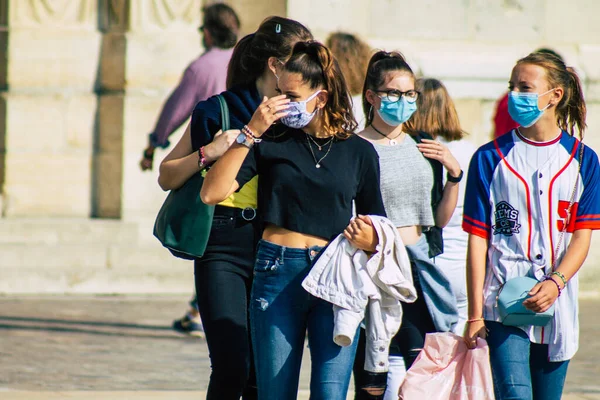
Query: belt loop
column 282, row 253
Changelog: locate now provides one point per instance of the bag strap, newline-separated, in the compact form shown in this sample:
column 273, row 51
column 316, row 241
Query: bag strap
column 571, row 201
column 224, row 113
column 567, row 220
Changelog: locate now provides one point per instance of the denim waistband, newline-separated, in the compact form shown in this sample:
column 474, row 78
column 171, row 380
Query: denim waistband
column 418, row 250
column 270, row 249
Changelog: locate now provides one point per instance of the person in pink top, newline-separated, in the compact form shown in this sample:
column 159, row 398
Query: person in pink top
column 203, row 78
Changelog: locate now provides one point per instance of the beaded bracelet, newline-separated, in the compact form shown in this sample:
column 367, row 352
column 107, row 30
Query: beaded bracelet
column 201, row 159
column 548, row 278
column 250, row 135
column 561, row 276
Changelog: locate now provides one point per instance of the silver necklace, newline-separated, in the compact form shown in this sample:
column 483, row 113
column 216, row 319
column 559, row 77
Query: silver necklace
column 320, row 146
column 318, row 163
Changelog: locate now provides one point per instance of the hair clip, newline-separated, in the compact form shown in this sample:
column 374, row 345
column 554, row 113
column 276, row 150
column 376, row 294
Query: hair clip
column 278, row 28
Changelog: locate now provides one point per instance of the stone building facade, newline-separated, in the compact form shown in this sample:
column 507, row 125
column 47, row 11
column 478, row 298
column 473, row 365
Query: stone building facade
column 82, row 82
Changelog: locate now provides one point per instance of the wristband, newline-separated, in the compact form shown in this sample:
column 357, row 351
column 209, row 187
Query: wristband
column 453, row 179
column 561, row 276
column 202, row 163
column 548, row 278
column 474, row 320
column 148, row 155
column 250, row 135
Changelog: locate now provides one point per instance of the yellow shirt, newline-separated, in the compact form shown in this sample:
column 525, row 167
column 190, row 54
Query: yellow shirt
column 245, row 197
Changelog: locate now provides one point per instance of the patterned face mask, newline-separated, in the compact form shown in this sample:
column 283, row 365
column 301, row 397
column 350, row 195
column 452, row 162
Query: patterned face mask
column 297, row 116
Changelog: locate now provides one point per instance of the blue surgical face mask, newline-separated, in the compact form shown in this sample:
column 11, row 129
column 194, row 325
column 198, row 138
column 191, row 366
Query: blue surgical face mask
column 297, row 116
column 523, row 107
column 395, row 113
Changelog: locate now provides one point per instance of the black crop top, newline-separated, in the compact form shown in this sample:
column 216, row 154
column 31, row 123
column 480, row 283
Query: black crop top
column 295, row 195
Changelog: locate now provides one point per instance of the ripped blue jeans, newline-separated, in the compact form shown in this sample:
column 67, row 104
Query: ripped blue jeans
column 281, row 313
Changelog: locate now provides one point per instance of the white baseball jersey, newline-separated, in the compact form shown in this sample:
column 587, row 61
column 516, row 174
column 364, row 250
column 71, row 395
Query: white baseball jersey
column 517, row 196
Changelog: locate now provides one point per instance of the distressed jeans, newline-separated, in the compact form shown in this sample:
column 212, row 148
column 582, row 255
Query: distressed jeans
column 281, row 313
column 521, row 369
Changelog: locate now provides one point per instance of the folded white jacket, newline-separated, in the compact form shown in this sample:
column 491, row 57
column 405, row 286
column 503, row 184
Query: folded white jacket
column 366, row 288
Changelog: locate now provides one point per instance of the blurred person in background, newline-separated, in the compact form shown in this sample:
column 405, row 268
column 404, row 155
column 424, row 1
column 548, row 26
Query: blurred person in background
column 203, row 78
column 353, row 56
column 224, row 274
column 503, row 122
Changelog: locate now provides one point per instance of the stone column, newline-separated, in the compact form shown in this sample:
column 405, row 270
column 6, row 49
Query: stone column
column 107, row 185
column 48, row 114
column 3, row 88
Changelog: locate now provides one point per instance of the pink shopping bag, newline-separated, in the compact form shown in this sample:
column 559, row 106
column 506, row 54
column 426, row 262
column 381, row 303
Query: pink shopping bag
column 447, row 370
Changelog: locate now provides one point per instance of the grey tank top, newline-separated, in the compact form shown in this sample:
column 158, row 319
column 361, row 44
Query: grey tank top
column 406, row 183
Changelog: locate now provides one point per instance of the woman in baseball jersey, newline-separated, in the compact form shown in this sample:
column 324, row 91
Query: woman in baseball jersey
column 532, row 201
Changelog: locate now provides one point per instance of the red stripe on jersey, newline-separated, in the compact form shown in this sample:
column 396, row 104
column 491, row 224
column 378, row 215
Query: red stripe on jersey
column 587, row 225
column 476, row 222
column 573, row 152
column 531, row 142
column 543, row 327
column 529, row 222
column 475, row 230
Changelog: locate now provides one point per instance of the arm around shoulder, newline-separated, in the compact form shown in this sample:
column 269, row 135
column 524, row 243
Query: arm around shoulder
column 179, row 165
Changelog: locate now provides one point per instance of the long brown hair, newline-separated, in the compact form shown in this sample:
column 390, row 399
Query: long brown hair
column 275, row 37
column 380, row 64
column 319, row 68
column 352, row 54
column 436, row 113
column 571, row 109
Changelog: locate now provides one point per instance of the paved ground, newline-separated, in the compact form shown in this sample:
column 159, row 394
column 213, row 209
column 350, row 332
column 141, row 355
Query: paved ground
column 101, row 348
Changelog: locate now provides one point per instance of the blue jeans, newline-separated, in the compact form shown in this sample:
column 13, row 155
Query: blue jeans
column 281, row 313
column 521, row 369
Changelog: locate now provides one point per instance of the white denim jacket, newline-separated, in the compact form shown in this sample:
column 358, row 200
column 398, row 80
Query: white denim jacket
column 366, row 288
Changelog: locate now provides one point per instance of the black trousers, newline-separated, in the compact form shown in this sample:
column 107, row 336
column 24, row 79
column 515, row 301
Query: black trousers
column 223, row 281
column 408, row 342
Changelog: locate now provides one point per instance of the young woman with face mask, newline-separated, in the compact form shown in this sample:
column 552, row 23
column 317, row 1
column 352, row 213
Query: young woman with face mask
column 311, row 168
column 552, row 190
column 223, row 276
column 415, row 201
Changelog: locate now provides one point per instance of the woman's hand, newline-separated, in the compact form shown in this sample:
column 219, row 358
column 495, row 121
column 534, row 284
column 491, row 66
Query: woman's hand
column 473, row 330
column 269, row 111
column 437, row 151
column 543, row 295
column 220, row 144
column 361, row 234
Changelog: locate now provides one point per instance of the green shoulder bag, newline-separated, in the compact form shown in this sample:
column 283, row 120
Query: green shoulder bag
column 183, row 223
